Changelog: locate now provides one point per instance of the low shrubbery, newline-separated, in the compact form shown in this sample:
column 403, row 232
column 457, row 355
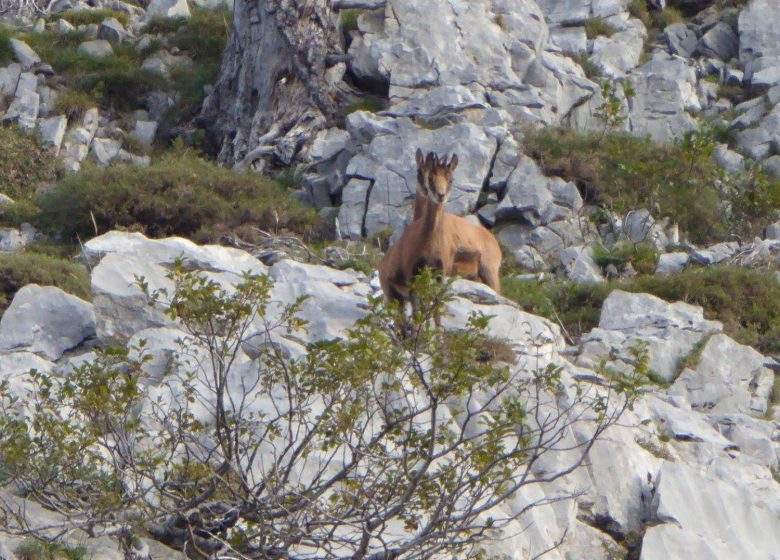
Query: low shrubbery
column 24, row 164
column 85, row 17
column 72, row 103
column 6, row 52
column 179, row 194
column 20, row 269
column 745, row 300
column 680, row 180
column 598, row 27
column 116, row 81
column 643, row 257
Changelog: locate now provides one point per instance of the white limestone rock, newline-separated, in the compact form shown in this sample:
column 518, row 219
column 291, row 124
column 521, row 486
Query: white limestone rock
column 45, row 320
column 729, row 377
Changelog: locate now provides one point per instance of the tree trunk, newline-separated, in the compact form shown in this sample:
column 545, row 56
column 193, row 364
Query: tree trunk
column 277, row 85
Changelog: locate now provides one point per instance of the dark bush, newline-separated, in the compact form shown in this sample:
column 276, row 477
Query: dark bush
column 179, row 194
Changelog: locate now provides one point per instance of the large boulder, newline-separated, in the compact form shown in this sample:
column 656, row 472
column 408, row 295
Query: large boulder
column 535, row 199
column 131, row 268
column 712, row 512
column 168, row 9
column 759, row 43
column 668, row 331
column 45, row 320
column 99, row 48
column 729, row 377
column 24, row 54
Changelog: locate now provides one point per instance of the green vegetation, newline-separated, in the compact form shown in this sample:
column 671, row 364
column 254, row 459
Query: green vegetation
column 349, row 19
column 734, row 93
column 6, row 52
column 643, row 257
column 656, row 20
column 44, row 550
column 680, row 180
column 382, row 392
column 116, row 82
column 744, row 300
column 24, row 163
column 22, row 268
column 639, row 10
column 73, row 103
column 203, row 37
column 179, row 194
column 595, row 27
column 85, row 17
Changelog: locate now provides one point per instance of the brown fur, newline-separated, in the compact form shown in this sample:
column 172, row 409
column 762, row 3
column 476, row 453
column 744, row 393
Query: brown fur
column 439, row 240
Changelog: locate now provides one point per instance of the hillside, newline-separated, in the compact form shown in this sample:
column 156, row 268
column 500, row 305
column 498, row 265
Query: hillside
column 195, row 199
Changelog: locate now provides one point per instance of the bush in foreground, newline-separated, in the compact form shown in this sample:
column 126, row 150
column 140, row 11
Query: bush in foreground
column 363, row 447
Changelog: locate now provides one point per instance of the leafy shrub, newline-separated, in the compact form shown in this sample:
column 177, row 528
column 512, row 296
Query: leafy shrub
column 383, row 416
column 85, row 17
column 746, row 301
column 24, row 163
column 203, row 37
column 639, row 10
column 179, row 194
column 22, row 268
column 73, row 103
column 680, row 180
column 668, row 16
column 596, row 26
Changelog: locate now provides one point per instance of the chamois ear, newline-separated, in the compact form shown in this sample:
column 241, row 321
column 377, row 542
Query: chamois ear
column 419, row 157
column 453, row 163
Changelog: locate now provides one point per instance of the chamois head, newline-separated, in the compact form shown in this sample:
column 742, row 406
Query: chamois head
column 434, row 176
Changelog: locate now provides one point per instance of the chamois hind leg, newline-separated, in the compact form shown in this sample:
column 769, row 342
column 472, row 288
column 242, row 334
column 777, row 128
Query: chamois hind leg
column 490, row 276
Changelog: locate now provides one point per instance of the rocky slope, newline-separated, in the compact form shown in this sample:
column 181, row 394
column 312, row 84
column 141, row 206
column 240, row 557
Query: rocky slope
column 688, row 473
column 692, row 471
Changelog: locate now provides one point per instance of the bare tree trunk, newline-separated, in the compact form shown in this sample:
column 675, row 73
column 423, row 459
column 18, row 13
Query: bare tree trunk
column 276, row 87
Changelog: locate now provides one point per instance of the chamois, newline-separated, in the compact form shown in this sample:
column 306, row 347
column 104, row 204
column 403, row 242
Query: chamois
column 439, row 240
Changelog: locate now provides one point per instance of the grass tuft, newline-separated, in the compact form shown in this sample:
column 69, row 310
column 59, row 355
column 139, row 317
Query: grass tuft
column 596, row 27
